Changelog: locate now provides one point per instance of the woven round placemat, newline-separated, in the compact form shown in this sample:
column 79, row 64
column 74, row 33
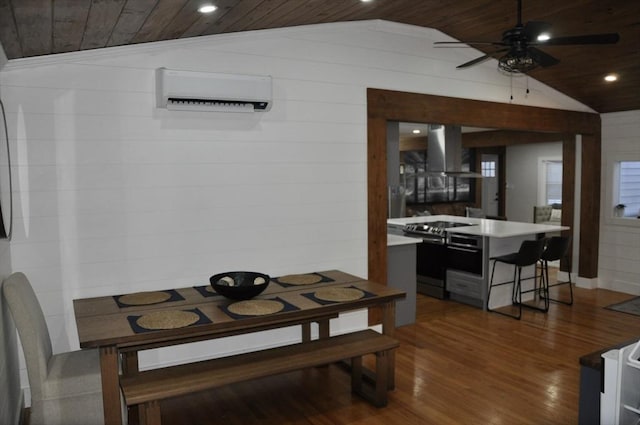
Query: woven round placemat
column 338, row 294
column 300, row 279
column 255, row 307
column 144, row 298
column 172, row 319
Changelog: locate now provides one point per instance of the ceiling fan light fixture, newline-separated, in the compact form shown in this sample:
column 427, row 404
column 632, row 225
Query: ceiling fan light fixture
column 543, row 37
column 516, row 64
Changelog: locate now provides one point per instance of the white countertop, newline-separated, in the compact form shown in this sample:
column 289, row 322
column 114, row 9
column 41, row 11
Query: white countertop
column 396, row 240
column 482, row 226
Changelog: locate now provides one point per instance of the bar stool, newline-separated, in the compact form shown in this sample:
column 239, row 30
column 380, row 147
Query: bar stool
column 556, row 249
column 528, row 255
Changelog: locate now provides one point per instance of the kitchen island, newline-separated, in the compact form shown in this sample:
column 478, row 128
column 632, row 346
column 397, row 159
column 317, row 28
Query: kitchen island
column 468, row 270
column 401, row 274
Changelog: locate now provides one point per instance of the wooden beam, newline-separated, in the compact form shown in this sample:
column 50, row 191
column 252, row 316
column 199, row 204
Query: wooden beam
column 482, row 139
column 590, row 205
column 386, row 105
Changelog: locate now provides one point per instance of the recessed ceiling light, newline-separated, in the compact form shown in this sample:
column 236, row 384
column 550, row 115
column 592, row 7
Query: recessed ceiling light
column 544, row 37
column 207, row 8
column 365, row 1
column 611, row 77
column 416, row 131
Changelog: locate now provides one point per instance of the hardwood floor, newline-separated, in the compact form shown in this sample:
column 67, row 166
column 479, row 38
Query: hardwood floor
column 456, row 365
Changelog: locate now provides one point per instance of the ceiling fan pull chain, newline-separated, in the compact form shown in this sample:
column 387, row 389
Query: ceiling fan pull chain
column 527, row 94
column 511, row 87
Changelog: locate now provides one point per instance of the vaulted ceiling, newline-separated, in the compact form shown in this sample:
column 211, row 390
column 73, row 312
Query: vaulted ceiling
column 41, row 27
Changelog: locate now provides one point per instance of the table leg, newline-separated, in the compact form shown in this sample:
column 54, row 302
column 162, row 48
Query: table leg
column 110, row 385
column 130, row 363
column 130, row 367
column 306, row 332
column 323, row 329
column 389, row 328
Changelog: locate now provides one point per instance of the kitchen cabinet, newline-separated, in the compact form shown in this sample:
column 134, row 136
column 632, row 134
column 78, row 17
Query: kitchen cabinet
column 401, row 274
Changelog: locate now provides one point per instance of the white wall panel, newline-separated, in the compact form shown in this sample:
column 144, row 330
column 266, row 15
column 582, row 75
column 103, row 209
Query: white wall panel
column 114, row 195
column 619, row 250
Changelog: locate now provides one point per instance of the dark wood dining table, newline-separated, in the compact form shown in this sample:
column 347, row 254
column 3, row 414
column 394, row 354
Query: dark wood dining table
column 109, row 325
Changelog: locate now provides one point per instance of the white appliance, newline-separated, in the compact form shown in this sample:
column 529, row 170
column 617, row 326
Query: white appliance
column 620, row 401
column 215, row 92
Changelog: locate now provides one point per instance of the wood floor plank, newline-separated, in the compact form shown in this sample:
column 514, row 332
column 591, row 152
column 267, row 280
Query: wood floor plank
column 456, row 365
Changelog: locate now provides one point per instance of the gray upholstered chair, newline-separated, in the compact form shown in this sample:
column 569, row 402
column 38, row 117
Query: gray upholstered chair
column 66, row 388
column 475, row 212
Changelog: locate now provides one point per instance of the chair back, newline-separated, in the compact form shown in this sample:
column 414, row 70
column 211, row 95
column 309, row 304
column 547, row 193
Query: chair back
column 475, row 212
column 530, row 252
column 557, row 247
column 32, row 328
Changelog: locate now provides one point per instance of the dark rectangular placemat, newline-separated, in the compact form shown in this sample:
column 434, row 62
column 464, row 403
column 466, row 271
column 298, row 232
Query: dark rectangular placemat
column 312, row 297
column 175, row 296
column 206, row 293
column 133, row 322
column 323, row 280
column 287, row 307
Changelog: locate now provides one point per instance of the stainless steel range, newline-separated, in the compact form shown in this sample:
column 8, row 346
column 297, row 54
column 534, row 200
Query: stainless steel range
column 432, row 232
column 432, row 255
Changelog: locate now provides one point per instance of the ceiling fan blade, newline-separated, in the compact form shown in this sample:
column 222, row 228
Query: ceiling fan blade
column 541, row 58
column 610, row 38
column 469, row 43
column 481, row 59
column 533, row 29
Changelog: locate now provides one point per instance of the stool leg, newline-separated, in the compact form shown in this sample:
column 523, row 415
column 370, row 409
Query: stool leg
column 493, row 270
column 519, row 293
column 570, row 302
column 514, row 293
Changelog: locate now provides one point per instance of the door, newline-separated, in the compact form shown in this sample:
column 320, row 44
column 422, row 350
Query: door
column 490, row 194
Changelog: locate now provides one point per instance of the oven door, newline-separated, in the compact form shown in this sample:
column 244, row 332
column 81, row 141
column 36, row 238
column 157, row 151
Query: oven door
column 431, row 269
column 464, row 259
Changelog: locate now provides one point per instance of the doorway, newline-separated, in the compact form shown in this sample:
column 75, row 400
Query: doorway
column 490, row 194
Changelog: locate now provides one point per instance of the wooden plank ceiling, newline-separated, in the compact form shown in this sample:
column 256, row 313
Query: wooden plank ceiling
column 41, row 27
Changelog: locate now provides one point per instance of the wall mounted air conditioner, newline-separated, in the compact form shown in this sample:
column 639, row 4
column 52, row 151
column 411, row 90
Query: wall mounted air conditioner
column 205, row 91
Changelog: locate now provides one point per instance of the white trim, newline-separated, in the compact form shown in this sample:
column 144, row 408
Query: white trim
column 586, row 283
column 611, row 188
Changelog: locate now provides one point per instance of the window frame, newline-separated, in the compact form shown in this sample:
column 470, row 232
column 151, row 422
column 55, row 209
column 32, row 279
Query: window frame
column 611, row 189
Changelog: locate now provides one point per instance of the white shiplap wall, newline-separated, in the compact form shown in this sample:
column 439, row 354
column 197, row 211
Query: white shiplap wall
column 114, row 195
column 619, row 251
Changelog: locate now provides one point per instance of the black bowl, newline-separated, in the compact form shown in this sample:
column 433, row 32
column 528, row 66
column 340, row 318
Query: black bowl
column 239, row 285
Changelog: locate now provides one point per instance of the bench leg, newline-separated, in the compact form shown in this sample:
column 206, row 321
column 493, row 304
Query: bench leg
column 356, row 374
column 380, row 380
column 382, row 377
column 150, row 413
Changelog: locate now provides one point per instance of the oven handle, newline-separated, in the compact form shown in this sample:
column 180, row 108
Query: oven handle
column 470, row 250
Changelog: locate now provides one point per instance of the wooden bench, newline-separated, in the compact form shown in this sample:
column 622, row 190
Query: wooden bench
column 147, row 388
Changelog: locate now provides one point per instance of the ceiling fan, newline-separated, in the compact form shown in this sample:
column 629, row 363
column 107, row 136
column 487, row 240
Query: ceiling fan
column 517, row 49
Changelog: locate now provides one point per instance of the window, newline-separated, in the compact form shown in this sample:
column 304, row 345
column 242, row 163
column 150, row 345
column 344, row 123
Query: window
column 488, row 168
column 628, row 175
column 553, row 182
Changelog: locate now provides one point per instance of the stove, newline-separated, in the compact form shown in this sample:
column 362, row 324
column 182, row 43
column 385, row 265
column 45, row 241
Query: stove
column 431, row 260
column 433, row 231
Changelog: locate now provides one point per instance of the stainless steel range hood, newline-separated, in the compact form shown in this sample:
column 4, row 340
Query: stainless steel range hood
column 444, row 151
